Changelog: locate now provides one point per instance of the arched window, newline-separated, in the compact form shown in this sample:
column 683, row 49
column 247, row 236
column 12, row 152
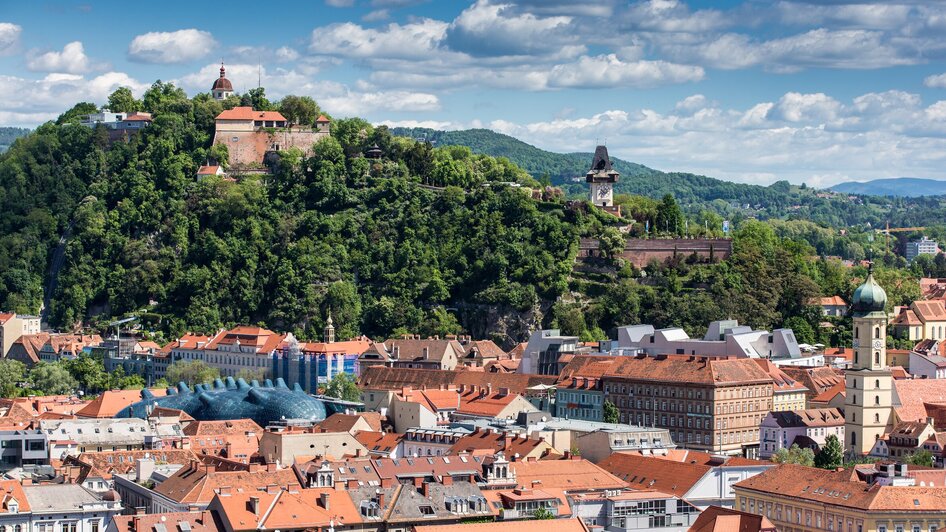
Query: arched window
column 856, row 332
column 876, row 357
column 877, row 400
column 877, row 420
column 876, row 332
column 853, row 399
column 853, row 438
column 853, row 417
column 877, row 383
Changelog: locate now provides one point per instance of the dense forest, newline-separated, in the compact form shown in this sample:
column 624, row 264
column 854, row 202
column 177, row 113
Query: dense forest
column 431, row 240
column 9, row 134
column 696, row 193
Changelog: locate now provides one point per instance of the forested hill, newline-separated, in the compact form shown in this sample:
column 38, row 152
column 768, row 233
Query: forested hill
column 896, row 186
column 694, row 192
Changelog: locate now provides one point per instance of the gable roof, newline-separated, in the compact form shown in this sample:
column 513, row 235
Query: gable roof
column 110, row 402
column 647, row 472
column 910, row 396
column 782, row 381
column 262, row 340
column 930, row 310
column 833, row 301
column 416, row 349
column 106, row 463
column 685, row 368
column 197, row 483
column 14, row 489
column 570, row 474
column 379, row 442
column 247, row 113
column 842, row 488
column 813, row 417
column 485, row 349
column 510, row 444
column 205, row 521
column 719, row 519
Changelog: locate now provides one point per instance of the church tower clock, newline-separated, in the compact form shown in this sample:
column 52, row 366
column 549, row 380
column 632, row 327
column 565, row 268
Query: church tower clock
column 868, row 401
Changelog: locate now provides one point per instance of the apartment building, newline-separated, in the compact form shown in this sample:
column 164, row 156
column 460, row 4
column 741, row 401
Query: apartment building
column 12, row 326
column 711, row 404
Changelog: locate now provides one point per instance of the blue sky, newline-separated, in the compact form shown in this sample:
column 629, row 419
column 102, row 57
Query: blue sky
column 751, row 91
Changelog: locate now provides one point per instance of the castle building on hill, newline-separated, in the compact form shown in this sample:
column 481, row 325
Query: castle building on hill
column 222, row 88
column 250, row 134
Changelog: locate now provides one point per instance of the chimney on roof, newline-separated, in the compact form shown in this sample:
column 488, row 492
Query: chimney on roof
column 426, row 353
column 254, row 504
column 271, row 467
column 425, row 489
column 352, row 484
column 447, row 480
column 224, row 490
column 323, row 501
column 489, row 389
column 381, row 498
column 272, row 488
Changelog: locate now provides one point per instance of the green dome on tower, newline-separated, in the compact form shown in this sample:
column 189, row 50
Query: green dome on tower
column 869, row 297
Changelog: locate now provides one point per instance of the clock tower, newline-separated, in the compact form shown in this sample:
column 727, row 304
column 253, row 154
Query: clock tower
column 868, row 402
column 602, row 179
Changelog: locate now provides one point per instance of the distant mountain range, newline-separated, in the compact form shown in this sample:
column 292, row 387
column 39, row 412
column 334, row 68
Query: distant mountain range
column 9, row 134
column 910, row 187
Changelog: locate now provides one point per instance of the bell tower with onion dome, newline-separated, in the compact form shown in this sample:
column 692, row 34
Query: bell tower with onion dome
column 222, row 88
column 869, row 383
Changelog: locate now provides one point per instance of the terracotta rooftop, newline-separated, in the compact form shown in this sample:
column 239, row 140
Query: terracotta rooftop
column 833, row 301
column 828, row 395
column 340, row 422
column 13, row 488
column 231, row 426
column 485, row 349
column 689, row 369
column 484, row 402
column 247, row 113
column 647, row 472
column 910, row 395
column 208, row 170
column 197, row 483
column 426, row 349
column 719, row 519
column 188, row 341
column 379, row 442
column 105, row 464
column 551, row 525
column 572, row 474
column 510, row 444
column 906, row 317
column 930, row 310
column 840, row 488
column 110, row 402
column 262, row 340
column 813, row 417
column 196, row 521
column 434, row 400
column 384, row 378
column 356, row 346
column 781, row 380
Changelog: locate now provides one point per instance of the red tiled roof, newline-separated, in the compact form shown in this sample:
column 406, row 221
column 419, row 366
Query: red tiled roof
column 684, row 368
column 208, row 170
column 340, row 422
column 841, row 488
column 906, row 317
column 719, row 519
column 379, row 441
column 829, row 394
column 110, row 402
column 247, row 113
column 510, row 444
column 263, row 340
column 833, row 301
column 322, row 119
column 214, row 428
column 13, row 488
column 912, row 394
column 384, row 378
column 571, row 474
column 813, row 417
column 648, row 472
column 781, row 380
column 205, row 521
column 197, row 483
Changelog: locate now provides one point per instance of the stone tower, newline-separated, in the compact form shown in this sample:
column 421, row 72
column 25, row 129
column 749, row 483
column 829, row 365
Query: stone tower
column 602, row 178
column 222, row 88
column 867, row 406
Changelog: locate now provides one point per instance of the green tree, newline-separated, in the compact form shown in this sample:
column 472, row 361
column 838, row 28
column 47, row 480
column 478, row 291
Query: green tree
column 611, row 243
column 611, row 413
column 299, row 109
column 343, row 387
column 802, row 330
column 439, row 322
column 122, row 101
column 921, row 458
column 794, row 455
column 220, row 153
column 52, row 379
column 831, row 455
column 251, row 374
column 191, row 372
column 11, row 375
column 669, row 216
column 256, row 98
column 73, row 115
column 89, row 372
column 542, row 514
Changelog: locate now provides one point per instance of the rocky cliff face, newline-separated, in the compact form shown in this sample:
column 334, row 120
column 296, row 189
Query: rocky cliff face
column 504, row 325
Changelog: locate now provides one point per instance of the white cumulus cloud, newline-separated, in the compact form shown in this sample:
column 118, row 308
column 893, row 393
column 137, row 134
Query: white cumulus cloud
column 178, row 46
column 71, row 60
column 609, row 71
column 937, row 81
column 413, row 40
column 9, row 37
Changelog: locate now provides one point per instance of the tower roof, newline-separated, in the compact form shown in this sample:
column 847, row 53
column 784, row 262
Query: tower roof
column 870, row 296
column 601, row 169
column 222, row 83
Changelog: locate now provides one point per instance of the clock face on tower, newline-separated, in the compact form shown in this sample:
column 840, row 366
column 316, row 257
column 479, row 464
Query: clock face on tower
column 878, row 344
column 604, row 191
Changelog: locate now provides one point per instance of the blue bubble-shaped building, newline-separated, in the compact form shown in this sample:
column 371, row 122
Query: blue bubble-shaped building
column 236, row 399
